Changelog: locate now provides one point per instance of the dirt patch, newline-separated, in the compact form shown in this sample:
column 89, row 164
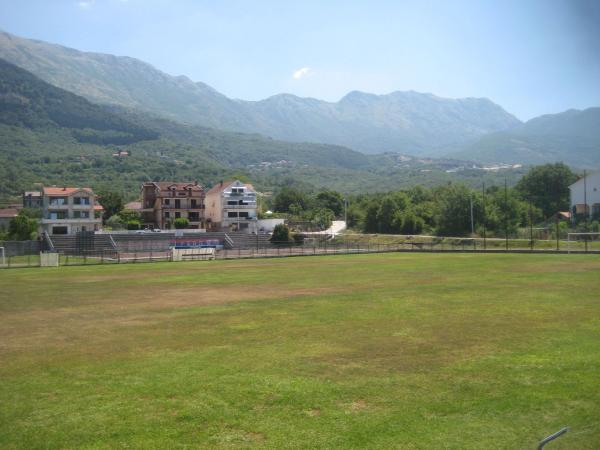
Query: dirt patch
column 130, row 308
column 357, row 406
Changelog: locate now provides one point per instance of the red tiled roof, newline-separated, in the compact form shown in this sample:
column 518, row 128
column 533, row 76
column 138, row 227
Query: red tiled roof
column 98, row 207
column 9, row 212
column 64, row 190
column 221, row 186
column 167, row 185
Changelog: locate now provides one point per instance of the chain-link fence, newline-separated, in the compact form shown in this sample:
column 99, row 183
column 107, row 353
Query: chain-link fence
column 27, row 253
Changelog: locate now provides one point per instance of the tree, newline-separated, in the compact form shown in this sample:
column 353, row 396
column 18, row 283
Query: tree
column 390, row 206
column 331, row 200
column 112, row 202
column 322, row 218
column 127, row 215
column 281, row 234
column 408, row 222
column 22, row 227
column 370, row 222
column 454, row 210
column 289, row 196
column 115, row 222
column 547, row 187
column 181, row 223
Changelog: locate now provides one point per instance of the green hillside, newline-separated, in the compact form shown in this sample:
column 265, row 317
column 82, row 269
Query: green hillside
column 52, row 136
column 408, row 122
column 572, row 137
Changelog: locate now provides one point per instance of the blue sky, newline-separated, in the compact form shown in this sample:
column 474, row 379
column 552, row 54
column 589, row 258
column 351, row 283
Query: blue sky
column 531, row 57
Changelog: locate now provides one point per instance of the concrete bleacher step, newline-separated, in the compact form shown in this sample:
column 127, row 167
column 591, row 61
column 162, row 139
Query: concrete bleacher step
column 70, row 244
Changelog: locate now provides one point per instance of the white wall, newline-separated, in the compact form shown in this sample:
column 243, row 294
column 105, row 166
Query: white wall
column 593, row 191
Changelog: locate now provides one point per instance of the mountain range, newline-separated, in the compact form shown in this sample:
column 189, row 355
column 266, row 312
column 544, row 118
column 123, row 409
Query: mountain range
column 49, row 135
column 403, row 122
column 408, row 122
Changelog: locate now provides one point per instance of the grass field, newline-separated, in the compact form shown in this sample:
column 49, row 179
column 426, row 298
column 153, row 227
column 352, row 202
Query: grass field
column 360, row 351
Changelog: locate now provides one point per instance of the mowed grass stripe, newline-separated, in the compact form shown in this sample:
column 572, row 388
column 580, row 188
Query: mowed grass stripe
column 357, row 351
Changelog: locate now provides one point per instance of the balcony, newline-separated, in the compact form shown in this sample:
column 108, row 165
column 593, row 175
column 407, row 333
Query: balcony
column 90, row 220
column 239, row 206
column 238, row 219
column 184, row 207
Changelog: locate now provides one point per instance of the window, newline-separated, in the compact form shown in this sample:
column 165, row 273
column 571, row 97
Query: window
column 57, row 201
column 232, row 202
column 177, row 215
column 193, row 201
column 166, row 201
column 167, row 215
column 59, row 230
column 81, row 200
column 81, row 215
column 177, row 203
column 57, row 215
column 232, row 214
column 244, row 214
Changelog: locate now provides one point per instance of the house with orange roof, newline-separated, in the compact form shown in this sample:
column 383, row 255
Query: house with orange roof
column 232, row 206
column 69, row 210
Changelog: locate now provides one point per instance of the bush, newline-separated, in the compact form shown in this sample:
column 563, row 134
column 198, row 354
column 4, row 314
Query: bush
column 116, row 222
column 134, row 225
column 281, row 234
column 181, row 223
column 22, row 227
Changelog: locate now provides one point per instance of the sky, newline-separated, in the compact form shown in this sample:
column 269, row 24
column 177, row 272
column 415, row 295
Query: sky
column 532, row 57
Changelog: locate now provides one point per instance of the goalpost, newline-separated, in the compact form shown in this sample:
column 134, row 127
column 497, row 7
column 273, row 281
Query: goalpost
column 585, row 237
column 3, row 260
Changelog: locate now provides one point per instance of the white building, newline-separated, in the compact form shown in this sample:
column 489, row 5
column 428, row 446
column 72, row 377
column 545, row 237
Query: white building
column 583, row 191
column 231, row 206
column 68, row 210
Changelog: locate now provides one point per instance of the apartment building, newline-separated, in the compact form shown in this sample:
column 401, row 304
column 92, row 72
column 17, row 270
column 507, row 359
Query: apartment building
column 165, row 201
column 231, row 206
column 68, row 210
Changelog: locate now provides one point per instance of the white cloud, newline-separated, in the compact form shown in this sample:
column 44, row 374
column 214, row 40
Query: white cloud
column 86, row 4
column 302, row 73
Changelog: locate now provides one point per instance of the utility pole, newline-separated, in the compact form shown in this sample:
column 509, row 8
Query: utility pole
column 557, row 200
column 472, row 220
column 585, row 208
column 506, row 212
column 530, row 225
column 484, row 218
column 346, row 212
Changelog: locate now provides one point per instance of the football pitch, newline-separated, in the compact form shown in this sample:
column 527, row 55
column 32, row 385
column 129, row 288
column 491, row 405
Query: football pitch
column 411, row 351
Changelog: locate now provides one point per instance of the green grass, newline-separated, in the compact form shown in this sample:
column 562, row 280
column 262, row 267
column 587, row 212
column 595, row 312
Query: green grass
column 360, row 351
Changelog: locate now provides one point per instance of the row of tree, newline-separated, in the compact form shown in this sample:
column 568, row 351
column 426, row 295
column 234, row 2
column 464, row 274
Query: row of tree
column 449, row 210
